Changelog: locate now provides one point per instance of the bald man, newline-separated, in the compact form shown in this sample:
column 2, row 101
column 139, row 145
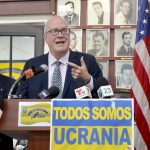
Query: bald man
column 71, row 64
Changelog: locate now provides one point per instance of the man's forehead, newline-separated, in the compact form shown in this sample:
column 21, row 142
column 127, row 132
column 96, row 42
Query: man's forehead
column 57, row 25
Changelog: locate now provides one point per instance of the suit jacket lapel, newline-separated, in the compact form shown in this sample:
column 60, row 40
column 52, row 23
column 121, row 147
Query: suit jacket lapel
column 45, row 80
column 72, row 58
column 43, row 77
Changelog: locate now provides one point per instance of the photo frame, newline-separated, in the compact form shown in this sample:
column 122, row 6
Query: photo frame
column 76, row 40
column 104, row 66
column 70, row 11
column 122, row 95
column 98, row 12
column 98, row 42
column 125, row 12
column 123, row 73
column 124, row 42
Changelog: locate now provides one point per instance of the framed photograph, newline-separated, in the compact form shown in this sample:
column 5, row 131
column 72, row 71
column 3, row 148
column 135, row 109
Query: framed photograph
column 98, row 42
column 123, row 73
column 124, row 42
column 104, row 66
column 125, row 12
column 70, row 11
column 76, row 40
column 98, row 12
column 122, row 95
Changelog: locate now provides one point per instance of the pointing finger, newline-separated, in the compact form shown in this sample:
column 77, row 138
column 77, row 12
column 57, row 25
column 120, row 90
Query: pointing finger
column 73, row 65
column 82, row 61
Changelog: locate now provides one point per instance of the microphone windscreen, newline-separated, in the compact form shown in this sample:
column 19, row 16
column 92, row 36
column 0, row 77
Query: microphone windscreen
column 45, row 67
column 53, row 91
column 42, row 68
column 100, row 82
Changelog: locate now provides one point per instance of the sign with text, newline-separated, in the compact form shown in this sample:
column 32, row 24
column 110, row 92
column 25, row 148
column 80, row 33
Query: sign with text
column 34, row 114
column 92, row 124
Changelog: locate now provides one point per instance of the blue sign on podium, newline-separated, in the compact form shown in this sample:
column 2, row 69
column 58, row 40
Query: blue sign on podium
column 105, row 124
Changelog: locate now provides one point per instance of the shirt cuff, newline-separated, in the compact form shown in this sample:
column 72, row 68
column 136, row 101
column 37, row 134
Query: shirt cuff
column 90, row 84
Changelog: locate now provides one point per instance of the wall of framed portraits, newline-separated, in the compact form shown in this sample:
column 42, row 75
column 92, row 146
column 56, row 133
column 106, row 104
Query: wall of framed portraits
column 105, row 29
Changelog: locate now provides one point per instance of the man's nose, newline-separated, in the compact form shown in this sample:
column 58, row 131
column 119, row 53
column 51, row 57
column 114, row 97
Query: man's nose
column 60, row 33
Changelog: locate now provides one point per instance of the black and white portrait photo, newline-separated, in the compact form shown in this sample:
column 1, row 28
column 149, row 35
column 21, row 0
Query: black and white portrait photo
column 104, row 66
column 97, row 42
column 98, row 12
column 124, row 42
column 125, row 12
column 123, row 73
column 76, row 40
column 70, row 11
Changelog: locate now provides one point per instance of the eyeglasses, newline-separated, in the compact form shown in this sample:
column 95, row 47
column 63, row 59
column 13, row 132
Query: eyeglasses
column 55, row 32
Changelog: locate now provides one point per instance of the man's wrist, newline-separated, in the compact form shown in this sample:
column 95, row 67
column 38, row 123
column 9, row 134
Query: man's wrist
column 88, row 80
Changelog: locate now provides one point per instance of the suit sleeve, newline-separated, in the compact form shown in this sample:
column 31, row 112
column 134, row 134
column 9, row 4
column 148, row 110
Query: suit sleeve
column 97, row 75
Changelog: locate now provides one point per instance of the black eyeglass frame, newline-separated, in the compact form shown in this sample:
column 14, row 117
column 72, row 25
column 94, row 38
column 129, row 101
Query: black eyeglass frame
column 55, row 32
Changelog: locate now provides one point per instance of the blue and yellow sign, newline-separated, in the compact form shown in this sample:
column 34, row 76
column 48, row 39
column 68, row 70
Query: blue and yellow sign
column 92, row 124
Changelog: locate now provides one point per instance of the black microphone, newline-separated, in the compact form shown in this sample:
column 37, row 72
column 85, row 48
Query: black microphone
column 41, row 69
column 81, row 91
column 34, row 71
column 99, row 82
column 105, row 92
column 52, row 92
column 1, row 106
column 27, row 74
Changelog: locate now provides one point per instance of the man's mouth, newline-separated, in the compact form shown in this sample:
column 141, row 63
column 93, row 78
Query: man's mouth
column 60, row 42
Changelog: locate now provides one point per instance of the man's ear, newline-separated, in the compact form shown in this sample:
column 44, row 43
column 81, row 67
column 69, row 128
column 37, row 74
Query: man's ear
column 45, row 37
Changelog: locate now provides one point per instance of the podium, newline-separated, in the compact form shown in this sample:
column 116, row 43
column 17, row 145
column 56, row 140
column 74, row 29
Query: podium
column 38, row 137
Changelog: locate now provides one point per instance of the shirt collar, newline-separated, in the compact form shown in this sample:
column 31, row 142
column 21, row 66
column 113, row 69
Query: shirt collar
column 63, row 59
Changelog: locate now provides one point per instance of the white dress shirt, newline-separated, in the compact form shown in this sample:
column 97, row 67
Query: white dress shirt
column 63, row 69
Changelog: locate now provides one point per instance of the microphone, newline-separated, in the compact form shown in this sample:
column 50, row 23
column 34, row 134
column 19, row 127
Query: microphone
column 105, row 92
column 99, row 82
column 33, row 72
column 42, row 68
column 82, row 91
column 1, row 106
column 52, row 92
column 26, row 75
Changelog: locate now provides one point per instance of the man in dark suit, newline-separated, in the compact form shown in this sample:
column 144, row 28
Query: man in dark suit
column 6, row 142
column 71, row 64
column 71, row 17
column 126, row 49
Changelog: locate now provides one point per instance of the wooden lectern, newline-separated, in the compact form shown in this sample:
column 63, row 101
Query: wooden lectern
column 38, row 137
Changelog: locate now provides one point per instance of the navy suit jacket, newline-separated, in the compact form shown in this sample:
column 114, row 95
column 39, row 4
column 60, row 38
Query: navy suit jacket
column 34, row 85
column 5, row 85
column 6, row 142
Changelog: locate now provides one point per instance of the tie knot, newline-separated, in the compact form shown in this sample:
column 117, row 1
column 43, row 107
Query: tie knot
column 57, row 63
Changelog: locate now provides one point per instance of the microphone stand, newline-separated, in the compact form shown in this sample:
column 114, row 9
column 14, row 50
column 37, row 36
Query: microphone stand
column 15, row 84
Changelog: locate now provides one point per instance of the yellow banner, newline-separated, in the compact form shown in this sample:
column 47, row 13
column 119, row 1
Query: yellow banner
column 35, row 113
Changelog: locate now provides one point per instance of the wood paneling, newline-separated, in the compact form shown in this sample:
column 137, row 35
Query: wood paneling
column 25, row 7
